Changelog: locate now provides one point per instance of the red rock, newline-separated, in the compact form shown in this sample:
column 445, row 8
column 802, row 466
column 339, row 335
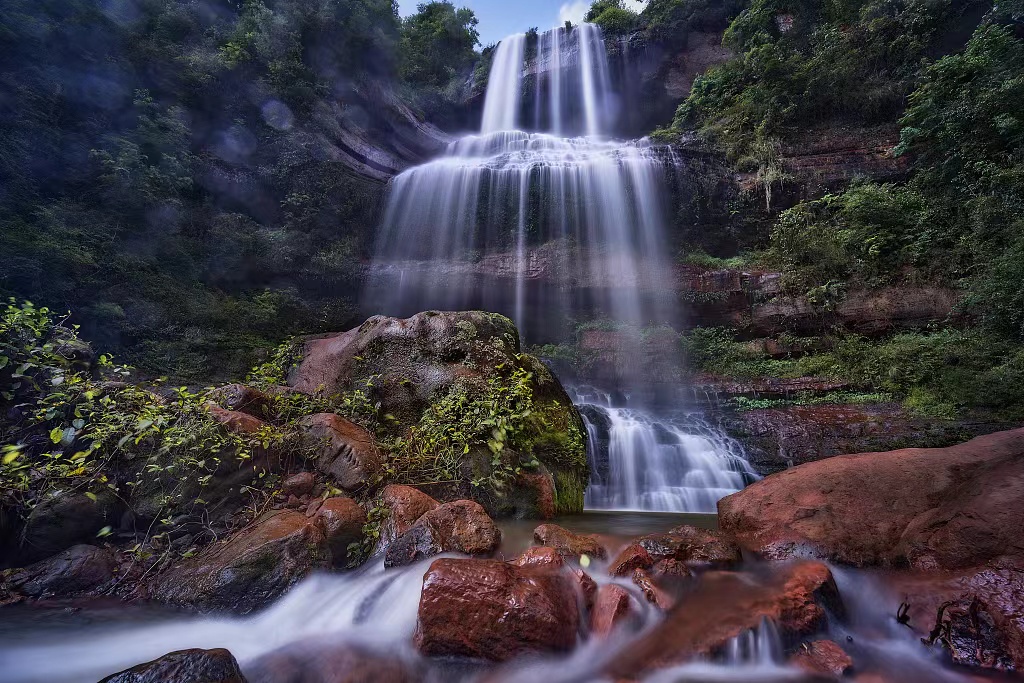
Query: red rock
column 242, row 399
column 670, row 569
column 651, row 591
column 250, row 568
column 462, row 526
column 567, row 543
column 405, row 505
column 613, row 606
column 343, row 520
column 208, row 666
column 630, row 558
column 725, row 605
column 948, row 508
column 544, row 488
column 586, row 587
column 692, row 544
column 344, row 451
column 300, row 484
column 822, row 657
column 494, row 610
column 78, row 569
column 235, row 422
column 540, row 556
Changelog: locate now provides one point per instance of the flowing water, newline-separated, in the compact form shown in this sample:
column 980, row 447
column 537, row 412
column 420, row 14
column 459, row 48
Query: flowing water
column 561, row 219
column 542, row 211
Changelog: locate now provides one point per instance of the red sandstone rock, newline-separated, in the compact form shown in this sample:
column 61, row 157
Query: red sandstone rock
column 494, row 610
column 544, row 488
column 235, row 422
column 300, row 484
column 670, row 569
column 328, row 662
column 566, row 542
column 947, row 508
column 727, row 604
column 345, row 451
column 243, row 399
column 405, row 505
column 655, row 595
column 343, row 520
column 822, row 657
column 586, row 587
column 613, row 607
column 462, row 526
column 692, row 544
column 208, row 666
column 631, row 557
column 540, row 556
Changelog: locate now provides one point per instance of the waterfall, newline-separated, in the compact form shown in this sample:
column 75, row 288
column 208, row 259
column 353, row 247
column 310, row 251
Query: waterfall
column 503, row 93
column 552, row 223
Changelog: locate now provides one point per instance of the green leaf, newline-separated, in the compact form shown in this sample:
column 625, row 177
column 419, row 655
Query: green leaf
column 56, row 434
column 91, row 496
column 11, row 457
column 4, row 360
column 105, row 531
column 78, row 424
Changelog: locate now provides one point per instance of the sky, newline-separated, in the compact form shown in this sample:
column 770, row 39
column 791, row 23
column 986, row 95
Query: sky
column 499, row 18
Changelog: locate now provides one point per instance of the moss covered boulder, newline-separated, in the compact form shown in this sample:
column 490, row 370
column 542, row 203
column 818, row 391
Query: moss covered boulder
column 459, row 410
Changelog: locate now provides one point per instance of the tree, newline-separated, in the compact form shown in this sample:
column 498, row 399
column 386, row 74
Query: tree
column 437, row 43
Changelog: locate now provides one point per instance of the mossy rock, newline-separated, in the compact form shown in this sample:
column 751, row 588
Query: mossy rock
column 458, row 381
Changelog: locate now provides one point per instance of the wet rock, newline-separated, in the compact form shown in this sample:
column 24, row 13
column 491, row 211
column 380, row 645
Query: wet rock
column 822, row 657
column 540, row 489
column 727, row 604
column 632, row 557
column 494, row 610
column 409, row 365
column 251, row 568
column 586, row 587
column 613, row 607
column 185, row 666
column 299, row 485
column 655, row 595
column 941, row 508
column 970, row 633
column 241, row 398
column 567, row 543
column 540, row 556
column 63, row 519
column 670, row 569
column 345, row 451
column 405, row 505
column 343, row 520
column 462, row 526
column 693, row 545
column 80, row 568
column 328, row 662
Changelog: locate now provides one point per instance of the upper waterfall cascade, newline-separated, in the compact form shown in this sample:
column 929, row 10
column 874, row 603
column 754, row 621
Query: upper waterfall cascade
column 545, row 193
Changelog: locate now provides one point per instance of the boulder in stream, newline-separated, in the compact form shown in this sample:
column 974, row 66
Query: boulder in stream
column 494, row 610
column 184, row 666
column 461, row 527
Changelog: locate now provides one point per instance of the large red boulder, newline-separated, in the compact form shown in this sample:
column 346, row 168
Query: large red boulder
column 725, row 605
column 942, row 508
column 692, row 545
column 343, row 520
column 184, row 666
column 822, row 657
column 494, row 610
column 613, row 607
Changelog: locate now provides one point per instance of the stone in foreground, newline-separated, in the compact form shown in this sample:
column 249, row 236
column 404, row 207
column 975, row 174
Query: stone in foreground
column 488, row 609
column 184, row 666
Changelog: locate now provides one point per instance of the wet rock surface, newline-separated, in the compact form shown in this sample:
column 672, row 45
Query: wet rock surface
column 80, row 568
column 462, row 526
column 404, row 506
column 567, row 543
column 185, row 666
column 343, row 521
column 613, row 607
column 329, row 662
column 251, row 568
column 493, row 610
column 344, row 451
column 822, row 657
column 690, row 544
column 944, row 508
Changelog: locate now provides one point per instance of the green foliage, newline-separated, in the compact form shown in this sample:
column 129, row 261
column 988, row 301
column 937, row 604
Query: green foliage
column 811, row 399
column 613, row 17
column 701, row 259
column 468, row 420
column 438, row 43
column 98, row 431
column 807, row 62
column 939, row 373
